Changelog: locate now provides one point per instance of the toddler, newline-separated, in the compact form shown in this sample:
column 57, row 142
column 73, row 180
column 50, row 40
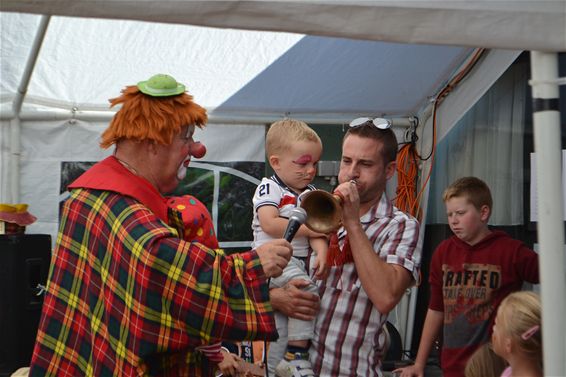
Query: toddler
column 293, row 150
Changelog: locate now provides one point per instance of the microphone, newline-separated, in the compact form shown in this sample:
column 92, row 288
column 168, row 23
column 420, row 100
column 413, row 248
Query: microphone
column 296, row 219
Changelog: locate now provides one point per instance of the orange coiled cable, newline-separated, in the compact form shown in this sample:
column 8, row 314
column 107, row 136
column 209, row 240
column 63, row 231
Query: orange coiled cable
column 407, row 174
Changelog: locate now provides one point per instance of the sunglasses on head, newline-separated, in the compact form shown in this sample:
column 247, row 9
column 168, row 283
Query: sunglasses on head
column 380, row 123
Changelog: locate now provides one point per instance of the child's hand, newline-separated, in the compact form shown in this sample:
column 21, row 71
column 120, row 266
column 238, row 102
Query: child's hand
column 320, row 267
column 320, row 247
column 229, row 366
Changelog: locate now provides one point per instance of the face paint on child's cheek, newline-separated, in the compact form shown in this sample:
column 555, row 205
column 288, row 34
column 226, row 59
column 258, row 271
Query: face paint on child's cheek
column 304, row 159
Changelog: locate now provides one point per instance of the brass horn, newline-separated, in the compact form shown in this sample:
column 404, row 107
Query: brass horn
column 324, row 211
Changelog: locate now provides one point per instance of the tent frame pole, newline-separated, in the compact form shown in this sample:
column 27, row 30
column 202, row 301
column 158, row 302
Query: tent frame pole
column 15, row 122
column 550, row 225
column 213, row 117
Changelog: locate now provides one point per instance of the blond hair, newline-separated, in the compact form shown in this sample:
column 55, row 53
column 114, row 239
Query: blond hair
column 484, row 362
column 473, row 189
column 283, row 133
column 158, row 119
column 520, row 315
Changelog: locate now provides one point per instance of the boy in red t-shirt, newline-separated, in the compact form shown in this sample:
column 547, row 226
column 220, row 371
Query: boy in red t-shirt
column 470, row 274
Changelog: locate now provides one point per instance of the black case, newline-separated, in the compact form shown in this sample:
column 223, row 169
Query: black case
column 24, row 263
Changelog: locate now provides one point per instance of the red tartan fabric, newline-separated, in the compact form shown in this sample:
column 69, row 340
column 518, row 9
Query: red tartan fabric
column 125, row 296
column 198, row 227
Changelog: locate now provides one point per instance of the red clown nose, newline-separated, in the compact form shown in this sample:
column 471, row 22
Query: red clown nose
column 198, row 150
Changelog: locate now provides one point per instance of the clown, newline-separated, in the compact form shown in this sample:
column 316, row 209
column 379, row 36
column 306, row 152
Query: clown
column 129, row 293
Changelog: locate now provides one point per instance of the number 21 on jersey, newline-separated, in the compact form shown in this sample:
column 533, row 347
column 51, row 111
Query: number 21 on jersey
column 264, row 189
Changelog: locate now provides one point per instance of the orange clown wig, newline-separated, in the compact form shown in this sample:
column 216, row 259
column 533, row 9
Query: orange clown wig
column 153, row 110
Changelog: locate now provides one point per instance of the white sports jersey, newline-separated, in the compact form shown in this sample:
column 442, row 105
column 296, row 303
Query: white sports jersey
column 273, row 192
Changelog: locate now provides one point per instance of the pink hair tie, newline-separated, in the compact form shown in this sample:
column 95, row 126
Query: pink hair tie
column 530, row 332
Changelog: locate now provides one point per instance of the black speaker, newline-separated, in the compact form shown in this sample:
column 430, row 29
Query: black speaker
column 24, row 264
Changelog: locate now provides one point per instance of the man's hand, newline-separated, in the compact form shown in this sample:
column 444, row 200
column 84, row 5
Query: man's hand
column 410, row 371
column 293, row 302
column 229, row 366
column 274, row 256
column 348, row 191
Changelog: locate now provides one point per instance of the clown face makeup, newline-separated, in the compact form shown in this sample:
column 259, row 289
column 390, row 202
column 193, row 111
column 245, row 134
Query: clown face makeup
column 182, row 171
column 196, row 149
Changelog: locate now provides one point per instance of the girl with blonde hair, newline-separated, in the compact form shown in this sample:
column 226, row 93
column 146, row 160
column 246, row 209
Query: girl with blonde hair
column 485, row 363
column 517, row 335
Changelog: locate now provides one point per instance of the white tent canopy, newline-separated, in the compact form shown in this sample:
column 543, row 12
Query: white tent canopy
column 84, row 62
column 512, row 24
column 255, row 77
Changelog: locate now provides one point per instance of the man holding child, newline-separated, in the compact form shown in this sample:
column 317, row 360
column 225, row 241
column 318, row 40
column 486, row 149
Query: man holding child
column 373, row 259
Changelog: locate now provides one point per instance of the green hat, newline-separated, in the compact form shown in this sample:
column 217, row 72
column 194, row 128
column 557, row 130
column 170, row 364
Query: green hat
column 161, row 85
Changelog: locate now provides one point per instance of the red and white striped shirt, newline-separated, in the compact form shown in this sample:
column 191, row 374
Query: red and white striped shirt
column 349, row 338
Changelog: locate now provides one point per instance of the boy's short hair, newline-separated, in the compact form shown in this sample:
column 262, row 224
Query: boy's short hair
column 472, row 188
column 283, row 133
column 386, row 137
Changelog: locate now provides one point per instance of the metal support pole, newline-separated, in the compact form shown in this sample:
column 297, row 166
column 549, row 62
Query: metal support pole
column 402, row 122
column 550, row 225
column 15, row 123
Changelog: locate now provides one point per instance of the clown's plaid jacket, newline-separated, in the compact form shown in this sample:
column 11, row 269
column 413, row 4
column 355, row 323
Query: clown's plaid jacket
column 125, row 296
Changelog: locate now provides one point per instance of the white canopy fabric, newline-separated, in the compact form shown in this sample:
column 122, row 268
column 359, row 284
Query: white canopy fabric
column 84, row 62
column 512, row 24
